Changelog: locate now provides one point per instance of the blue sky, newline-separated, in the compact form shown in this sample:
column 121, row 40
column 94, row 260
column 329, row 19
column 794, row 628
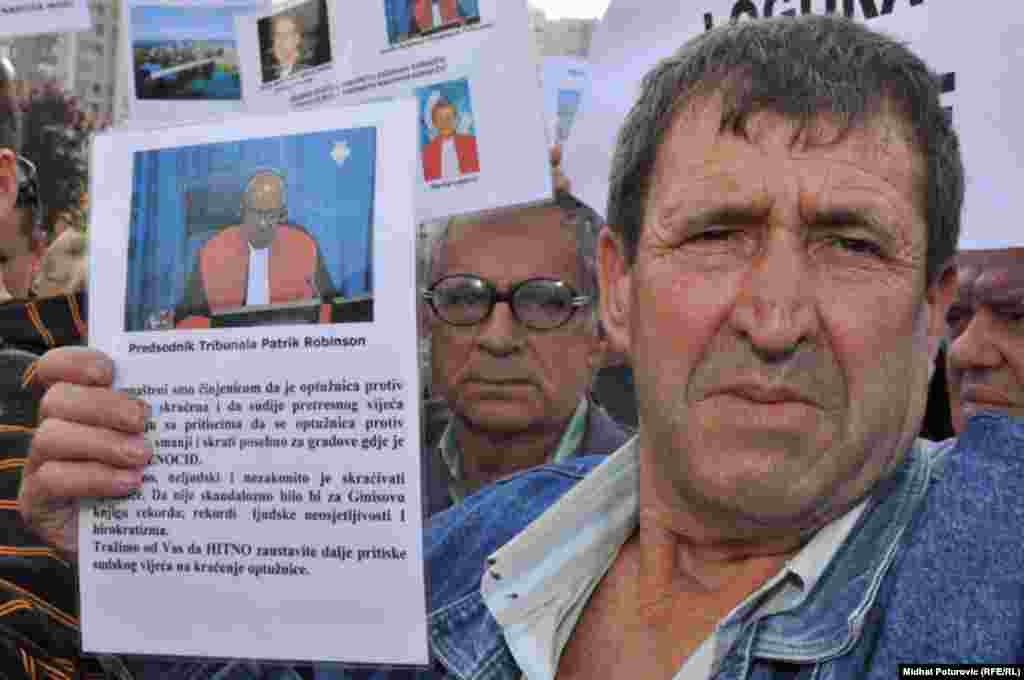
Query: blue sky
column 155, row 22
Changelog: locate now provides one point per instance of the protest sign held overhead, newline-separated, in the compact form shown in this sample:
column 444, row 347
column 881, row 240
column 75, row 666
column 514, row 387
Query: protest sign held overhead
column 29, row 17
column 467, row 63
column 978, row 80
column 566, row 81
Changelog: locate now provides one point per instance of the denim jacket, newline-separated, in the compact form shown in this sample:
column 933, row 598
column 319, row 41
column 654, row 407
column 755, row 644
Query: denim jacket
column 933, row 572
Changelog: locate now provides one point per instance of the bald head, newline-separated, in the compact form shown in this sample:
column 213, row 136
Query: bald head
column 263, row 208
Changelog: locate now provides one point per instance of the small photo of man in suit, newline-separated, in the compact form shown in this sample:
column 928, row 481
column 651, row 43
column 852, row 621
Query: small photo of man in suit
column 294, row 40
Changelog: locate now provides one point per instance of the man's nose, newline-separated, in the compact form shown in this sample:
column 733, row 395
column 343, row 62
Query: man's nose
column 501, row 333
column 974, row 347
column 774, row 309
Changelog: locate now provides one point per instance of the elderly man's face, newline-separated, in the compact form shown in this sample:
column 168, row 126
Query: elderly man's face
column 287, row 40
column 985, row 361
column 17, row 256
column 499, row 375
column 776, row 316
column 263, row 209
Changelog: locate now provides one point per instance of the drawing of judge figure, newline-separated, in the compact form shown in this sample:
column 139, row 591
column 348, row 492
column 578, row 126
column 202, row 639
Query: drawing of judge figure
column 450, row 153
column 431, row 14
column 263, row 260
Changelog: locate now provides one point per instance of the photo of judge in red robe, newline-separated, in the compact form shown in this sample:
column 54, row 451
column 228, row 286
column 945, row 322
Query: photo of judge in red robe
column 431, row 14
column 451, row 151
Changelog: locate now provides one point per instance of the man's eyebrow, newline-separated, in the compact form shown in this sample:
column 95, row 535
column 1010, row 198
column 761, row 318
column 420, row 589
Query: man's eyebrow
column 736, row 213
column 847, row 217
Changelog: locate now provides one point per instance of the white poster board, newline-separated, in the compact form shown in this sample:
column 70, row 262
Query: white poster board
column 183, row 57
column 470, row 66
column 980, row 54
column 280, row 518
column 30, row 17
column 566, row 81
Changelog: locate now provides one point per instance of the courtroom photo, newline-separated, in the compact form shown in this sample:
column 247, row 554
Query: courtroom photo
column 185, row 52
column 447, row 131
column 294, row 40
column 409, row 19
column 256, row 232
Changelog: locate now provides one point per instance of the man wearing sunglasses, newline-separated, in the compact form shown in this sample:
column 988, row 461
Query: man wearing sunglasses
column 511, row 314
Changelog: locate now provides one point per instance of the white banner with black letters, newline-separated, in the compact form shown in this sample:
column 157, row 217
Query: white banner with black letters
column 978, row 49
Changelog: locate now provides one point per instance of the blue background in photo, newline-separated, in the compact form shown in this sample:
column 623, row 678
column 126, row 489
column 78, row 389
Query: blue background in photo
column 181, row 197
column 161, row 24
column 455, row 91
column 399, row 15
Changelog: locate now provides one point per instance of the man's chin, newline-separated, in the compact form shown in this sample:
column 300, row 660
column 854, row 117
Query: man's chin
column 499, row 418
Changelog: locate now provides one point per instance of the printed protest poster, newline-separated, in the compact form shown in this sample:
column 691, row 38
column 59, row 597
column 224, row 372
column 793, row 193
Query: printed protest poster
column 183, row 56
column 974, row 50
column 470, row 67
column 566, row 81
column 258, row 283
column 29, row 17
column 288, row 56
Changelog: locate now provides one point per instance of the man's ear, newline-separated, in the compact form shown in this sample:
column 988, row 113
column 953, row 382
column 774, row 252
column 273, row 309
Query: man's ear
column 940, row 296
column 615, row 278
column 8, row 181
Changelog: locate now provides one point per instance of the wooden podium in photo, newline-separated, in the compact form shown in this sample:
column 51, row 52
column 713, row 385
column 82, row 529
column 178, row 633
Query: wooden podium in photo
column 340, row 310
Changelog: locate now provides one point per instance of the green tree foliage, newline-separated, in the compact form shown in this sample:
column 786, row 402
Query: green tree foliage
column 55, row 137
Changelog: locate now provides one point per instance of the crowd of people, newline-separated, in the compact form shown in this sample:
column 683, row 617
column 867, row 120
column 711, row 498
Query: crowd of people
column 778, row 271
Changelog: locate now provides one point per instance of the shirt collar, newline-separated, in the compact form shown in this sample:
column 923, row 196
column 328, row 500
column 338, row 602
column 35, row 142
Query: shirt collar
column 451, row 453
column 540, row 576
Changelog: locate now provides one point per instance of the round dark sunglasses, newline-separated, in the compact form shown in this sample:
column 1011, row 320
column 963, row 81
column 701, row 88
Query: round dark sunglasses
column 541, row 304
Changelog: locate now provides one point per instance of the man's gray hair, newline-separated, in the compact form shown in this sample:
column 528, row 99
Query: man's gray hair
column 802, row 68
column 577, row 217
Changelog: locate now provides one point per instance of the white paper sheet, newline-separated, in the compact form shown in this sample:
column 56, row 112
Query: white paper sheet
column 980, row 47
column 29, row 17
column 478, row 59
column 281, row 518
column 566, row 81
column 183, row 58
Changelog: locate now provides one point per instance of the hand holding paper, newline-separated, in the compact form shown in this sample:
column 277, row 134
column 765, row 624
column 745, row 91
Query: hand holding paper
column 88, row 444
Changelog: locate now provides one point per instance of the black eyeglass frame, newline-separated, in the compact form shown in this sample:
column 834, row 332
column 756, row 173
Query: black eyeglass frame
column 576, row 301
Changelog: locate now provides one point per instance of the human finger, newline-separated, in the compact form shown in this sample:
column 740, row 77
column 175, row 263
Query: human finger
column 78, row 365
column 99, row 407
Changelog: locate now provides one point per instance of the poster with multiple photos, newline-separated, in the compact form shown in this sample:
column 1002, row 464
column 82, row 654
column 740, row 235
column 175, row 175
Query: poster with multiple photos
column 31, row 17
column 463, row 61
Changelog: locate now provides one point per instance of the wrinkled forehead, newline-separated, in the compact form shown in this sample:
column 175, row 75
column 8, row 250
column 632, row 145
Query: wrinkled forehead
column 991, row 276
column 265, row 192
column 510, row 244
column 881, row 136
